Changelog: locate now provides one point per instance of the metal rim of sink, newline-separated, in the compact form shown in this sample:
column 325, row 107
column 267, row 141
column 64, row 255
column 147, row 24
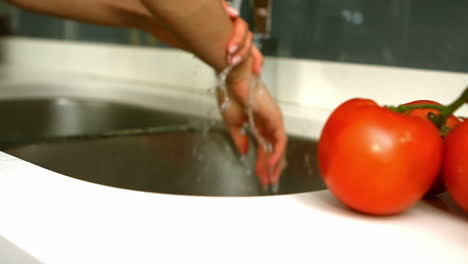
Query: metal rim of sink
column 171, row 160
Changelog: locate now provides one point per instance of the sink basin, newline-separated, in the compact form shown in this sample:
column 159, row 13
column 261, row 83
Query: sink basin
column 30, row 120
column 171, row 159
column 174, row 162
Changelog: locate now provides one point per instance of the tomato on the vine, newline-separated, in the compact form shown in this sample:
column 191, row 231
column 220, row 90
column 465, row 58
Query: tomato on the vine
column 378, row 161
column 455, row 164
column 438, row 186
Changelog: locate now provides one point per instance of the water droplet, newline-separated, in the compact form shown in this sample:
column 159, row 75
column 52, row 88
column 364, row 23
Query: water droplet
column 255, row 91
column 308, row 164
column 200, row 157
column 254, row 87
column 195, row 150
column 243, row 130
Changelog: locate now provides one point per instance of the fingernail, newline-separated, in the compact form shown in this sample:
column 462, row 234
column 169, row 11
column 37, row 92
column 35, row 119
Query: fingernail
column 232, row 11
column 259, row 70
column 264, row 188
column 236, row 60
column 232, row 49
column 274, row 187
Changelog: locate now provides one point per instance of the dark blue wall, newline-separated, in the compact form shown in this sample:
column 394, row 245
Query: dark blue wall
column 430, row 34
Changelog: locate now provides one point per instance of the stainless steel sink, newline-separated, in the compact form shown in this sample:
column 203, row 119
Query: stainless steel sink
column 179, row 159
column 175, row 162
column 30, row 120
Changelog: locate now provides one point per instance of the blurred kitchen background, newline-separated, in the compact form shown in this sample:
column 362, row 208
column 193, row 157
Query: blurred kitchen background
column 426, row 34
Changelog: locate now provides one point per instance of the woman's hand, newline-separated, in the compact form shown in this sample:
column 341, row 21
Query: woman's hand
column 205, row 39
column 240, row 45
column 246, row 91
column 238, row 48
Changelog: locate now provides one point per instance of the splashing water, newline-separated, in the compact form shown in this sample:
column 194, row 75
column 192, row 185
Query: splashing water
column 254, row 89
column 245, row 163
column 221, row 85
column 255, row 86
column 226, row 103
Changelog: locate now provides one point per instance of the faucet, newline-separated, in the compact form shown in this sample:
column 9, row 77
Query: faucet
column 262, row 18
column 262, row 10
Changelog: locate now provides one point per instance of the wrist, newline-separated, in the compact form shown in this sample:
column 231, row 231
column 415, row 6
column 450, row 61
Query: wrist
column 240, row 79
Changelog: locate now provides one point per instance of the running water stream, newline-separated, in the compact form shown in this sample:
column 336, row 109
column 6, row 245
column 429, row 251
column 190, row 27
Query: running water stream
column 255, row 84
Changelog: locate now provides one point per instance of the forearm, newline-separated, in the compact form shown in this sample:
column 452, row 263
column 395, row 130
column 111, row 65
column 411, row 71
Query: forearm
column 202, row 25
column 118, row 13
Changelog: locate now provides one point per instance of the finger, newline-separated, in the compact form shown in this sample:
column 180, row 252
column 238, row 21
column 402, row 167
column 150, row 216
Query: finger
column 262, row 169
column 257, row 61
column 275, row 177
column 239, row 34
column 232, row 12
column 279, row 147
column 240, row 138
column 246, row 49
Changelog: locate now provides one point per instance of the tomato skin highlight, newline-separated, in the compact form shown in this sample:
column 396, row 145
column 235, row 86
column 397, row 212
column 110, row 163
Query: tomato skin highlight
column 377, row 161
column 455, row 165
column 438, row 186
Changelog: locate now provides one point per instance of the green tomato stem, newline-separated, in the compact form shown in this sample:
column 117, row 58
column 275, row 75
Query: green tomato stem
column 406, row 108
column 445, row 111
column 441, row 118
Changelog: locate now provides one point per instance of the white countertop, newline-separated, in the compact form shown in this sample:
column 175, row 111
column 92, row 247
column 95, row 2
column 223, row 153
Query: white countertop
column 58, row 219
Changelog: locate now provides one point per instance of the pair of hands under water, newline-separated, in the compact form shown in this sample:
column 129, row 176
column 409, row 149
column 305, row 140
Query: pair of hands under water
column 247, row 93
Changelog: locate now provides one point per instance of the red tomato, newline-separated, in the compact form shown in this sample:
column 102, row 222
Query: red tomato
column 438, row 186
column 455, row 165
column 378, row 161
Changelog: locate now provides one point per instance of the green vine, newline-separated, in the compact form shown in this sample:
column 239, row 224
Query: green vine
column 445, row 111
